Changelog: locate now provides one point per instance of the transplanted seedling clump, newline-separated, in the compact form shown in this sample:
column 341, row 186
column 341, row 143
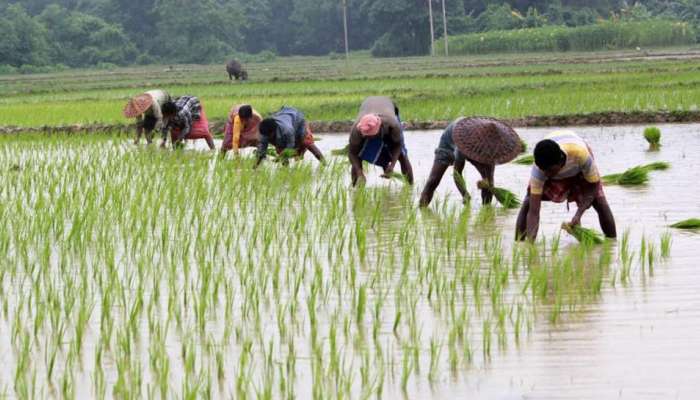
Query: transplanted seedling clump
column 652, row 135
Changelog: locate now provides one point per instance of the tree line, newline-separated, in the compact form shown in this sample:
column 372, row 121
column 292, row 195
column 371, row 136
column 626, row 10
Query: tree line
column 78, row 33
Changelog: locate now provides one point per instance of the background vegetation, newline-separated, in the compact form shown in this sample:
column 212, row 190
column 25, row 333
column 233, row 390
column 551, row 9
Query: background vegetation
column 37, row 34
column 326, row 89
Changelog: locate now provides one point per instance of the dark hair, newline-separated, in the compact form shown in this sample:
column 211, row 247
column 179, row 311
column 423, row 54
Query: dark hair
column 149, row 122
column 169, row 108
column 548, row 154
column 268, row 126
column 245, row 111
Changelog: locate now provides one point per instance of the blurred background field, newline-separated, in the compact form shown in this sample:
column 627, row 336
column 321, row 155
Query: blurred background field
column 330, row 89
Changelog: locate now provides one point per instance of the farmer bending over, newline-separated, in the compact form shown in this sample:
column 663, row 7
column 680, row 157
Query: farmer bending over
column 377, row 137
column 484, row 142
column 146, row 108
column 241, row 129
column 185, row 118
column 564, row 170
column 287, row 129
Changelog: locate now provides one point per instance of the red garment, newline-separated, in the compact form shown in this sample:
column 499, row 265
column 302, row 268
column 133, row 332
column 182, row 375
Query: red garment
column 199, row 130
column 569, row 189
column 249, row 135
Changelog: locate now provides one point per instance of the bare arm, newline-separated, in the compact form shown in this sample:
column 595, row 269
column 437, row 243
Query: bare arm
column 587, row 198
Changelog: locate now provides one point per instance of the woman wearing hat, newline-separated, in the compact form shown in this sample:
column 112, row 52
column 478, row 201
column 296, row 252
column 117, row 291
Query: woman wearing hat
column 377, row 137
column 484, row 142
column 146, row 108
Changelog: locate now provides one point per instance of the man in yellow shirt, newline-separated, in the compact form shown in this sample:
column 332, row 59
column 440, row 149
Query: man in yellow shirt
column 241, row 129
column 564, row 170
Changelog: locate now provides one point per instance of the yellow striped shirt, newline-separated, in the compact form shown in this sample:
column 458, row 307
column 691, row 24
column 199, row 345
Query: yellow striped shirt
column 578, row 161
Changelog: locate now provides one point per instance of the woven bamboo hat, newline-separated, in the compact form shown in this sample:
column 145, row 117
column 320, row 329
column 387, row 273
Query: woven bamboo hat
column 138, row 105
column 486, row 140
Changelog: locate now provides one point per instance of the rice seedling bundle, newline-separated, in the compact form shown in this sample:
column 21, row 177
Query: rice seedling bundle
column 692, row 223
column 583, row 235
column 652, row 135
column 632, row 177
column 657, row 166
column 340, row 152
column 525, row 160
column 507, row 198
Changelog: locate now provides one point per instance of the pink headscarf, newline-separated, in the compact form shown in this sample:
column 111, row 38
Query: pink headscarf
column 369, row 125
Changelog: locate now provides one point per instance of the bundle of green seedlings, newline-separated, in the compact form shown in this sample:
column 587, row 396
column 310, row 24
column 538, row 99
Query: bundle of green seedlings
column 343, row 151
column 652, row 135
column 507, row 198
column 638, row 175
column 583, row 235
column 691, row 223
column 528, row 159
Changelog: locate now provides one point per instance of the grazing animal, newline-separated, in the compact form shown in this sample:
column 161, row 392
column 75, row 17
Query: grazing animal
column 235, row 69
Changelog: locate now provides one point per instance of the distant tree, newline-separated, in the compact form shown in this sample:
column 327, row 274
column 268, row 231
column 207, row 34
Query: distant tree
column 23, row 41
column 405, row 25
column 499, row 17
column 200, row 31
column 318, row 26
column 137, row 18
column 79, row 39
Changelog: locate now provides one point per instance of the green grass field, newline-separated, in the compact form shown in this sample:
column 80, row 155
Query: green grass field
column 508, row 86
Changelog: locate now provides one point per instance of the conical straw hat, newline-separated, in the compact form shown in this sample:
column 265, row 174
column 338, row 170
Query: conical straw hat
column 138, row 105
column 486, row 140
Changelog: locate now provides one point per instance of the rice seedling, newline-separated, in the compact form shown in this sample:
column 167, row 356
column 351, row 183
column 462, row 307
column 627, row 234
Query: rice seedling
column 632, row 177
column 341, row 152
column 657, row 166
column 652, row 135
column 525, row 160
column 665, row 244
column 584, row 235
column 691, row 223
column 193, row 299
column 505, row 197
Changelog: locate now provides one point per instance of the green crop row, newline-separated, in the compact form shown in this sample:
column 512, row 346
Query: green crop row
column 602, row 36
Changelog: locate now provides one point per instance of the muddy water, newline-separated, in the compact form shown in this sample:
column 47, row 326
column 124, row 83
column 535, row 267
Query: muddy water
column 635, row 341
column 639, row 341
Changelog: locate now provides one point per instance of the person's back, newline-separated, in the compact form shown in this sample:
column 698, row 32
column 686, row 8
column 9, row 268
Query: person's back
column 290, row 122
column 381, row 105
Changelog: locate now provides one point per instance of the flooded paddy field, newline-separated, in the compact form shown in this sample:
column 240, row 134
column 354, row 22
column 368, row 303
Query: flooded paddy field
column 134, row 272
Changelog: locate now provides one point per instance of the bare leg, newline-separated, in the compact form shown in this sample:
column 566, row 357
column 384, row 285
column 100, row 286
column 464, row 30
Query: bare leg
column 521, row 224
column 433, row 181
column 406, row 168
column 210, row 142
column 605, row 217
column 149, row 137
column 139, row 130
column 486, row 171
